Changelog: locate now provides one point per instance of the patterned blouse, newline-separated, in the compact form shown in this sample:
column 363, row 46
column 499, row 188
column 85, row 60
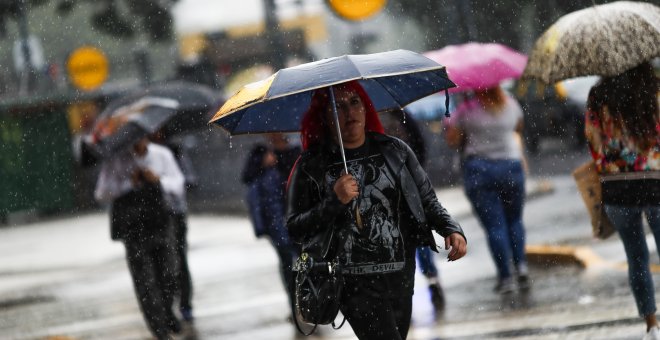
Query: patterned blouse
column 615, row 150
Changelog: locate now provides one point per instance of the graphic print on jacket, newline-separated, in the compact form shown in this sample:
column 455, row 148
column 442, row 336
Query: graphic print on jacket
column 376, row 247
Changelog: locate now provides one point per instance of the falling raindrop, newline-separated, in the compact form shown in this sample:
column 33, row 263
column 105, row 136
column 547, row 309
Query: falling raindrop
column 586, row 299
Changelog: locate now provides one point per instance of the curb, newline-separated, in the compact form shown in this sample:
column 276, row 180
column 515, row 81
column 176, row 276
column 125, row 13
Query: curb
column 552, row 255
column 581, row 256
column 540, row 188
column 547, row 255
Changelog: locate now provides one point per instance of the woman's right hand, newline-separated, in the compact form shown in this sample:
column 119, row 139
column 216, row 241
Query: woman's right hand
column 346, row 188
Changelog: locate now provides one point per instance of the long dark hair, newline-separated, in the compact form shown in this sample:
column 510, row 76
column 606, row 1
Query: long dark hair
column 631, row 98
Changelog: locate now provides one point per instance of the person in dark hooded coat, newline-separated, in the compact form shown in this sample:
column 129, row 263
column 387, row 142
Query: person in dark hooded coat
column 265, row 200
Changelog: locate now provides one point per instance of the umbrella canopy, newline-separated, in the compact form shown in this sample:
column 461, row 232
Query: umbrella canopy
column 474, row 66
column 174, row 107
column 391, row 79
column 576, row 90
column 603, row 40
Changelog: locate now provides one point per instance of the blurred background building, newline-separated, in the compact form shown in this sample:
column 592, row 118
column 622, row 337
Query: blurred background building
column 48, row 98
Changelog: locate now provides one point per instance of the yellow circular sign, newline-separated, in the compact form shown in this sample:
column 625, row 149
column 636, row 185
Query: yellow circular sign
column 87, row 67
column 356, row 9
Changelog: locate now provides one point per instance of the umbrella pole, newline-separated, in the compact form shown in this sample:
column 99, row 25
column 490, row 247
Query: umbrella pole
column 335, row 115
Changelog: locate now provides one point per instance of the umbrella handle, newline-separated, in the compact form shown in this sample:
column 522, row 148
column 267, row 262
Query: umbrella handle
column 335, row 114
column 447, row 103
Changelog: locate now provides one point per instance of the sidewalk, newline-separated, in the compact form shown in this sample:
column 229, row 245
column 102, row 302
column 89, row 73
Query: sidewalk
column 52, row 250
column 90, row 237
column 580, row 285
column 455, row 201
column 66, row 277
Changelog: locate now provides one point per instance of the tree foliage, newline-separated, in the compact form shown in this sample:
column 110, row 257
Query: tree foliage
column 117, row 18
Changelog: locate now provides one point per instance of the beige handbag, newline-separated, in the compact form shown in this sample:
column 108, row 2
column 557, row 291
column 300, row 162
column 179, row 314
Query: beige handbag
column 588, row 183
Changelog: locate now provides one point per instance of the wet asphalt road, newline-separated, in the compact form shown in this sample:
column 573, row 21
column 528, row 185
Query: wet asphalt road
column 64, row 279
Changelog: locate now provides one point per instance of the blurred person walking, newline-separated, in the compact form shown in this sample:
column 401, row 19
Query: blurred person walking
column 623, row 131
column 265, row 200
column 138, row 183
column 382, row 210
column 286, row 154
column 179, row 211
column 401, row 124
column 487, row 130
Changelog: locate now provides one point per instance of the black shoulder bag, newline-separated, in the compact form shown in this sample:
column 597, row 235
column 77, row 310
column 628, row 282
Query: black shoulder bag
column 319, row 283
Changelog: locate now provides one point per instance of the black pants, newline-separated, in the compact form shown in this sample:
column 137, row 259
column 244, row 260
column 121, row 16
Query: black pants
column 184, row 280
column 374, row 317
column 153, row 271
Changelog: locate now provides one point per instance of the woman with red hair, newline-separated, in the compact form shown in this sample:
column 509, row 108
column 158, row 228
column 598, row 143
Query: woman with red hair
column 313, row 130
column 380, row 211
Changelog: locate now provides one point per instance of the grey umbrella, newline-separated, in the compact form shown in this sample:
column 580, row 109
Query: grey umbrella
column 603, row 40
column 172, row 107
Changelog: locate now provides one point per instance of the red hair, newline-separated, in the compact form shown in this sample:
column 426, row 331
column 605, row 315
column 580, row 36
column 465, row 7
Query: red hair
column 314, row 131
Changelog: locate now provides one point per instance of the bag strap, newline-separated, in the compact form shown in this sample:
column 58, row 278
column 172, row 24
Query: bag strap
column 295, row 320
column 341, row 324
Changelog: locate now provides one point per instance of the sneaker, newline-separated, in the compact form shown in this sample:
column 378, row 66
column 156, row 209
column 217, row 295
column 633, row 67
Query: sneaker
column 652, row 334
column 505, row 286
column 186, row 314
column 174, row 326
column 437, row 296
column 524, row 282
column 522, row 269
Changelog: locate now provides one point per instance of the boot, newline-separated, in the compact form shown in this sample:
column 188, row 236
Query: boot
column 437, row 296
column 522, row 272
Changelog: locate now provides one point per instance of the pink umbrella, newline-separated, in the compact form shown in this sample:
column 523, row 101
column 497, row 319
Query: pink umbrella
column 477, row 65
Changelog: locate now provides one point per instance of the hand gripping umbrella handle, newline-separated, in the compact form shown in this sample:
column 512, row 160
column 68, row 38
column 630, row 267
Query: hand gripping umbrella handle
column 335, row 114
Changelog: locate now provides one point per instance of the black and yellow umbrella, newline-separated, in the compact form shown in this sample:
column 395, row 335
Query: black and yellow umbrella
column 276, row 104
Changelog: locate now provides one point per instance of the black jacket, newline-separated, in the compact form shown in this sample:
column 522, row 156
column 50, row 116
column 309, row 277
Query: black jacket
column 139, row 215
column 310, row 214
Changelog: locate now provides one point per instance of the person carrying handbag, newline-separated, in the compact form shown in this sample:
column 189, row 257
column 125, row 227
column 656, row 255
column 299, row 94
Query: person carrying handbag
column 380, row 211
column 623, row 131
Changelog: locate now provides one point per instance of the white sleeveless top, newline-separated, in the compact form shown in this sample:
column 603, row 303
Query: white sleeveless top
column 489, row 135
